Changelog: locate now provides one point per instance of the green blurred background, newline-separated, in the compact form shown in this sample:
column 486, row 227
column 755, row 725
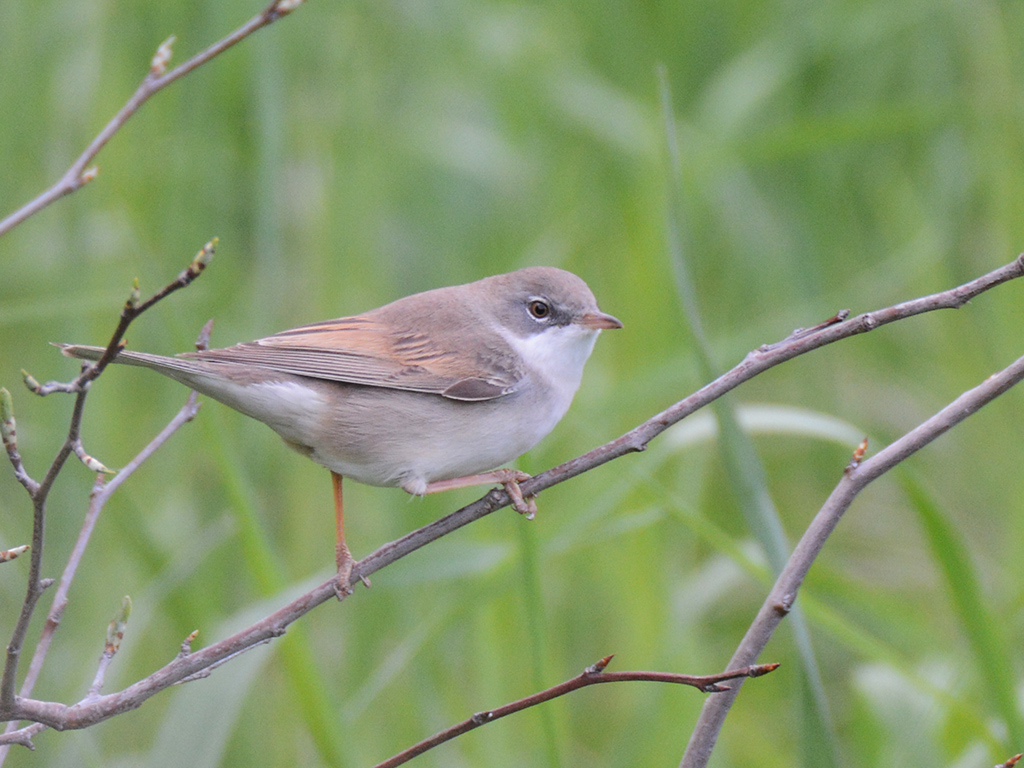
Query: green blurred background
column 835, row 154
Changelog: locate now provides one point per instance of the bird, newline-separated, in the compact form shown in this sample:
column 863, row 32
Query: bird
column 431, row 392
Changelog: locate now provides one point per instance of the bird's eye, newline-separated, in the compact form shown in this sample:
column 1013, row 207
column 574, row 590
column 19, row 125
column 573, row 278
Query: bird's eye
column 539, row 309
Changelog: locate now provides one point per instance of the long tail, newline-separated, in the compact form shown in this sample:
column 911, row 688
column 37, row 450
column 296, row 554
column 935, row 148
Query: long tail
column 161, row 363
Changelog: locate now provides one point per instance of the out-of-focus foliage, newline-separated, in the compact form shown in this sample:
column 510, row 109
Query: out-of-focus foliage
column 836, row 154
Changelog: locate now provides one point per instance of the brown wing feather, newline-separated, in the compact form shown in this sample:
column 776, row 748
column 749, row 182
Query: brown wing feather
column 364, row 350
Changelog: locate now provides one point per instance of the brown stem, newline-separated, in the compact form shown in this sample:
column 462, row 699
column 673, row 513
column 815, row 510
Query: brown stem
column 39, row 493
column 155, row 80
column 590, row 676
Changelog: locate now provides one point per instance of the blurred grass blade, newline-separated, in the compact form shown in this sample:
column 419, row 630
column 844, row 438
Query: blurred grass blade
column 743, row 466
column 201, row 718
column 982, row 630
column 537, row 631
column 261, row 563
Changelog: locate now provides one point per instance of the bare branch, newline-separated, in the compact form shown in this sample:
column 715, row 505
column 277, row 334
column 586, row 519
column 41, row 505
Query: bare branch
column 592, row 675
column 854, row 479
column 9, row 434
column 101, row 494
column 115, row 634
column 39, row 492
column 78, row 175
column 21, row 736
column 186, row 665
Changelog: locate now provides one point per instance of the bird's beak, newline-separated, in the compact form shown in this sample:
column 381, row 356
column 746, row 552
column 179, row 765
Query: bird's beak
column 599, row 321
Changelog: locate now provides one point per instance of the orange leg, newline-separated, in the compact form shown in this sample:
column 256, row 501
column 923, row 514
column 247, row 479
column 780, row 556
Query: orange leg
column 342, row 556
column 509, row 478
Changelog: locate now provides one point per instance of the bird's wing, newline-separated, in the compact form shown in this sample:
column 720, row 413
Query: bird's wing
column 364, row 350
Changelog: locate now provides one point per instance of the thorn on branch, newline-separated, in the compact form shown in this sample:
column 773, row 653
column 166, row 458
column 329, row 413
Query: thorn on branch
column 10, row 554
column 1010, row 763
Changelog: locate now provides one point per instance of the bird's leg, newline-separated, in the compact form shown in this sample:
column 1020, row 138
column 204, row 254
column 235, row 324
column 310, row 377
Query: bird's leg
column 508, row 478
column 342, row 556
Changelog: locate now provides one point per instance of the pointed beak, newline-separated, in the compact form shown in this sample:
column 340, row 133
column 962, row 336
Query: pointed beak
column 599, row 321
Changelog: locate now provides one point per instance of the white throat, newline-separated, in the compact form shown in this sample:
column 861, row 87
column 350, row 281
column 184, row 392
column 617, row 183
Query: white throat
column 557, row 354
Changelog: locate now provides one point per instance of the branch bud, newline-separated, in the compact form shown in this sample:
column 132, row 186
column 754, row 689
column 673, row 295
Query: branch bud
column 7, row 425
column 858, row 456
column 9, row 554
column 204, row 256
column 162, row 57
column 31, row 382
column 283, row 7
column 95, row 465
column 115, row 630
column 598, row 667
column 135, row 296
column 186, row 644
column 88, row 175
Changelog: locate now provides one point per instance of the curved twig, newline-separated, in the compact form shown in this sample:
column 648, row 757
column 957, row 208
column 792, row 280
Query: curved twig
column 592, row 675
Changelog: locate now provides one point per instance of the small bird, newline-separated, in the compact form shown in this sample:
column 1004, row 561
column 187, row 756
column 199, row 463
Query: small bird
column 428, row 393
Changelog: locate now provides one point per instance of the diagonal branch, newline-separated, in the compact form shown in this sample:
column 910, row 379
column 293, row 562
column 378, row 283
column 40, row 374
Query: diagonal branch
column 855, row 478
column 78, row 175
column 186, row 665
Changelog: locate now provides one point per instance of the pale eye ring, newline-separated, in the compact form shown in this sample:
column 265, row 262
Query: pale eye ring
column 539, row 309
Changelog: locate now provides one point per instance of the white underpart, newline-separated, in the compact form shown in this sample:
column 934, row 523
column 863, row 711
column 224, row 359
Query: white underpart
column 558, row 355
column 289, row 408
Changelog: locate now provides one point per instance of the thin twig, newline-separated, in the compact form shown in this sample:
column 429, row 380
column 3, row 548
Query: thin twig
column 39, row 492
column 98, row 499
column 156, row 79
column 854, row 479
column 592, row 675
column 82, row 715
column 9, row 434
column 115, row 634
column 21, row 736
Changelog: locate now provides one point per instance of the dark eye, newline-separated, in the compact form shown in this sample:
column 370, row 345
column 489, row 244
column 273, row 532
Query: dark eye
column 539, row 309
